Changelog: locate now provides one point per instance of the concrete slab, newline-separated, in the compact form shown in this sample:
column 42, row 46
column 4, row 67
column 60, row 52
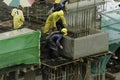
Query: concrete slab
column 14, row 33
column 94, row 43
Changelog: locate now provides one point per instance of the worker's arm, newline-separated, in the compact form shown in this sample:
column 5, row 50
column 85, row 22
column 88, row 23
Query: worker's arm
column 22, row 16
column 58, row 42
column 54, row 21
column 63, row 20
column 64, row 5
column 50, row 11
column 66, row 9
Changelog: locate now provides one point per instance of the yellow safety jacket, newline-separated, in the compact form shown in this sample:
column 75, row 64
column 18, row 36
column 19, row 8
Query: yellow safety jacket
column 18, row 18
column 52, row 19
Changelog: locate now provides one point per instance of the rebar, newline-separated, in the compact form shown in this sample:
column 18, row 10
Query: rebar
column 67, row 72
column 82, row 19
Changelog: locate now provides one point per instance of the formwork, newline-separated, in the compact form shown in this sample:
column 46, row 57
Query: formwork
column 94, row 43
column 84, row 37
column 88, row 68
column 19, row 72
column 70, row 70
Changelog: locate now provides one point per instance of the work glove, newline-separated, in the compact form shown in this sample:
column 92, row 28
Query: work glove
column 65, row 25
column 61, row 47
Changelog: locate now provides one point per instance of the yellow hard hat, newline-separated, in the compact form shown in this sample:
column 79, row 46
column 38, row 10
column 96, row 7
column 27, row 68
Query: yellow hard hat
column 64, row 30
column 57, row 1
column 14, row 12
column 61, row 13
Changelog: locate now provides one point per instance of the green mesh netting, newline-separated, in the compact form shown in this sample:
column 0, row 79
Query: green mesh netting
column 111, row 24
column 99, row 66
column 22, row 49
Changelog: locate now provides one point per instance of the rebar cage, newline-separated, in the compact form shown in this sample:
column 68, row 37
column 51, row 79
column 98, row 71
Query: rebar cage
column 72, row 71
column 83, row 16
column 88, row 68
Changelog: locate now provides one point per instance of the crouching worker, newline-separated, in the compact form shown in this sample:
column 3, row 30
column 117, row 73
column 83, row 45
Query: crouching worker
column 54, row 42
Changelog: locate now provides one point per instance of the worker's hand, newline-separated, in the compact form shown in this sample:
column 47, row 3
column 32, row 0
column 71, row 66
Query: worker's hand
column 53, row 29
column 65, row 25
column 61, row 47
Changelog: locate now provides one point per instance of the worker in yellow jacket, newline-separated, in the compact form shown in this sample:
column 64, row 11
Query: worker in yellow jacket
column 18, row 18
column 52, row 19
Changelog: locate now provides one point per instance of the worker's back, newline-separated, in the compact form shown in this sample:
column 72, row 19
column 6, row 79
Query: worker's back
column 18, row 18
column 53, row 36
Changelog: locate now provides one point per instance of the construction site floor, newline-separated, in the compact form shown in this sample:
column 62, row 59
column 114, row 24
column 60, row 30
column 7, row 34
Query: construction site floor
column 56, row 62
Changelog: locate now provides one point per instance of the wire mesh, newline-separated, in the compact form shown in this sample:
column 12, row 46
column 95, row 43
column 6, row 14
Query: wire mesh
column 74, row 71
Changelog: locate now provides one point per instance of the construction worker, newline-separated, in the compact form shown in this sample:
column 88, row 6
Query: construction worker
column 54, row 42
column 64, row 4
column 57, row 6
column 18, row 18
column 60, row 5
column 52, row 19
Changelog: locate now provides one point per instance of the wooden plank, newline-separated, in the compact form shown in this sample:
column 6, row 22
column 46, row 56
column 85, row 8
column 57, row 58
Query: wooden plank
column 61, row 64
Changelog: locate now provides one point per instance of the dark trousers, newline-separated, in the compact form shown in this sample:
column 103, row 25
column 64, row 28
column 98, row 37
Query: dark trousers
column 59, row 25
column 53, row 50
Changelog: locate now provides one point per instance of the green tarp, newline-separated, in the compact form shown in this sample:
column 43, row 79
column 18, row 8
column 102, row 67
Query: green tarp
column 21, row 49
